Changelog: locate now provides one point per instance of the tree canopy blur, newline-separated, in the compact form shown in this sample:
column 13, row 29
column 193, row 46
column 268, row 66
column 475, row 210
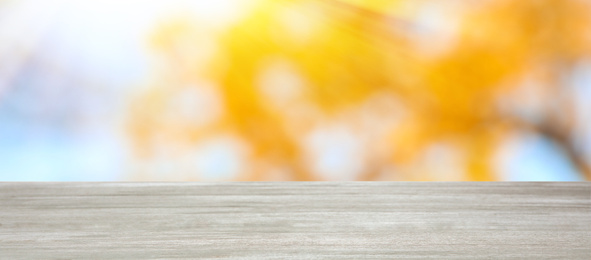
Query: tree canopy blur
column 365, row 90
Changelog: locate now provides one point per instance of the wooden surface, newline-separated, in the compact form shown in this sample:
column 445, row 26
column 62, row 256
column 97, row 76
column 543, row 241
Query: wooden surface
column 295, row 221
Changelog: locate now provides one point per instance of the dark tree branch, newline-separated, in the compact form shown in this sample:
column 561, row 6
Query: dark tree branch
column 561, row 137
column 563, row 140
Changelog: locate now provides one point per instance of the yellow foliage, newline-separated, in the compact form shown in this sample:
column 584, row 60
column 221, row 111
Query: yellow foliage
column 334, row 56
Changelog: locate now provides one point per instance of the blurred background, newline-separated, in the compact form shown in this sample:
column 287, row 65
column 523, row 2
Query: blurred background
column 282, row 90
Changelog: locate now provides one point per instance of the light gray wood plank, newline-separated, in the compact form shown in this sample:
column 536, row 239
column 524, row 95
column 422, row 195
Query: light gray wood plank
column 361, row 220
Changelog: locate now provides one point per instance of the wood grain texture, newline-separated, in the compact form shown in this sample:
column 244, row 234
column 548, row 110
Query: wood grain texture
column 295, row 220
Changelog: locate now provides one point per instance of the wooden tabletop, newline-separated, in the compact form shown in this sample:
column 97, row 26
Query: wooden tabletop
column 361, row 220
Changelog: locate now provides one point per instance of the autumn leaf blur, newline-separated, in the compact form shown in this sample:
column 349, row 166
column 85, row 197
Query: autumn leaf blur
column 293, row 76
column 310, row 90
